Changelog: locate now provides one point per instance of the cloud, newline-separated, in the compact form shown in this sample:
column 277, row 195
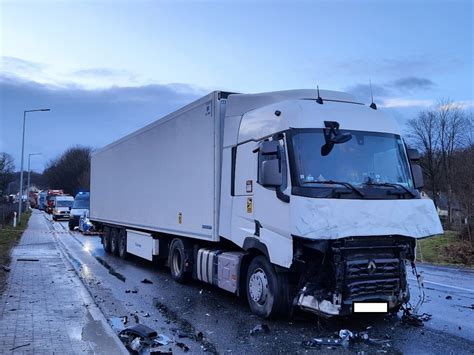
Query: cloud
column 104, row 72
column 91, row 78
column 363, row 91
column 404, row 102
column 413, row 83
column 20, row 66
column 80, row 116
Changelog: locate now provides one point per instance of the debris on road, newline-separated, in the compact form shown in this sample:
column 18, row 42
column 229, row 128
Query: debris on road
column 6, row 268
column 127, row 291
column 183, row 346
column 448, row 297
column 414, row 319
column 162, row 340
column 316, row 342
column 346, row 337
column 146, row 281
column 139, row 337
column 260, row 328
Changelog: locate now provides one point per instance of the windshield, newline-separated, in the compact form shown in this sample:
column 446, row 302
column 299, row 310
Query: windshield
column 81, row 204
column 366, row 158
column 64, row 203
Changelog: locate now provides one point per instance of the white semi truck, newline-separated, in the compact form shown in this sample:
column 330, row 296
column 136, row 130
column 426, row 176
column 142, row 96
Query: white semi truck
column 292, row 199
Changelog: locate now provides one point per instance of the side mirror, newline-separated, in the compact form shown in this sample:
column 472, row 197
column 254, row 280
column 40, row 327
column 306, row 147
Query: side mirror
column 269, row 147
column 413, row 154
column 271, row 175
column 417, row 176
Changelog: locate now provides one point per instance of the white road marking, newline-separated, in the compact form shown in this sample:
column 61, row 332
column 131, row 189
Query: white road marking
column 444, row 285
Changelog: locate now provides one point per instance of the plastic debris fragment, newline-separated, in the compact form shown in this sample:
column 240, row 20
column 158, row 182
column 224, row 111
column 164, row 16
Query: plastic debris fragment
column 259, row 328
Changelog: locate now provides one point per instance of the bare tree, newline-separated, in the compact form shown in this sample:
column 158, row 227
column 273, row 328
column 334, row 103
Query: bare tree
column 454, row 128
column 6, row 171
column 424, row 135
column 71, row 171
column 441, row 133
column 463, row 186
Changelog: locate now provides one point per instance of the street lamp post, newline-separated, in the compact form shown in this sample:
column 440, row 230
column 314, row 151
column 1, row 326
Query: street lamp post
column 28, row 183
column 22, row 157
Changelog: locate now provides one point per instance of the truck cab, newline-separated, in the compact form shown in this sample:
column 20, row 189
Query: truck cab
column 327, row 191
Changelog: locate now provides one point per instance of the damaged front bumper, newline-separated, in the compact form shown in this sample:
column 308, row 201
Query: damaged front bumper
column 354, row 270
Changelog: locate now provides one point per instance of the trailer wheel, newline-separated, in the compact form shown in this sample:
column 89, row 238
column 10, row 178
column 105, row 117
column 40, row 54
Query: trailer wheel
column 114, row 236
column 267, row 291
column 106, row 239
column 122, row 244
column 177, row 261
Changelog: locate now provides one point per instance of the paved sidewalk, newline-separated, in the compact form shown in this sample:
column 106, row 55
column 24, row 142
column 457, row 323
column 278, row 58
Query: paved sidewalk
column 45, row 308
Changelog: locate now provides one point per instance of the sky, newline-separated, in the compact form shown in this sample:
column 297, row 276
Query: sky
column 108, row 67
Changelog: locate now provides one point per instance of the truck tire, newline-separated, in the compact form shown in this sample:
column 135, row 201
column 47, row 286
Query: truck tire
column 71, row 226
column 122, row 244
column 267, row 291
column 114, row 241
column 106, row 239
column 177, row 261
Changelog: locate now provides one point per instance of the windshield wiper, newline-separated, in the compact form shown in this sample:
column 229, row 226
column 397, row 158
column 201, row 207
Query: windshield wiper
column 391, row 184
column 345, row 184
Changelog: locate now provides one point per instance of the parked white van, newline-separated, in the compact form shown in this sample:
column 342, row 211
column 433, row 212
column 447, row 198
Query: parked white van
column 62, row 206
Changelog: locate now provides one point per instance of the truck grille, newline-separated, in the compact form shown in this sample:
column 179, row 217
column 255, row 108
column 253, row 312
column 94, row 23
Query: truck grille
column 375, row 288
column 378, row 268
column 372, row 277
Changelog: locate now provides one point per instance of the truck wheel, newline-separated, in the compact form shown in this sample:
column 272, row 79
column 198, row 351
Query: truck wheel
column 122, row 244
column 267, row 291
column 106, row 239
column 71, row 226
column 177, row 260
column 114, row 241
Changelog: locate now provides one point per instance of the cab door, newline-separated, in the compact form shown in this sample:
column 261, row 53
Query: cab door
column 245, row 176
column 272, row 201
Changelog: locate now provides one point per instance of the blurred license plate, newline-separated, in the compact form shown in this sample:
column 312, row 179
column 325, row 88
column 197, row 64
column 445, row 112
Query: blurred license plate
column 370, row 307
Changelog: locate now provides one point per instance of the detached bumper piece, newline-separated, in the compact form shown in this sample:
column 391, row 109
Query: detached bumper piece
column 364, row 270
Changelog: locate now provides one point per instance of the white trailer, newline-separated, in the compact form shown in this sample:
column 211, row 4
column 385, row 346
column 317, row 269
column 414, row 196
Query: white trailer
column 296, row 197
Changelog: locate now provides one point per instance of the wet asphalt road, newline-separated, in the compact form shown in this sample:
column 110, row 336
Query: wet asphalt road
column 205, row 318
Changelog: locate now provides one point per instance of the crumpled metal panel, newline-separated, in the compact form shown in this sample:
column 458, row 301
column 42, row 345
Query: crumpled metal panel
column 323, row 218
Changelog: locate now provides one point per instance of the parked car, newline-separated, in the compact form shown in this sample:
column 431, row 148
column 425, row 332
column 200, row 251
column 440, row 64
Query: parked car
column 81, row 205
column 62, row 206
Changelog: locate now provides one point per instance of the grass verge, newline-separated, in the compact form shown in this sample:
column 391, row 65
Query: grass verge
column 445, row 249
column 9, row 236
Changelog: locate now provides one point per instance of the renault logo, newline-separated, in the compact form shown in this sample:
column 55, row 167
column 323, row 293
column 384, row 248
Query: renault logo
column 371, row 267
